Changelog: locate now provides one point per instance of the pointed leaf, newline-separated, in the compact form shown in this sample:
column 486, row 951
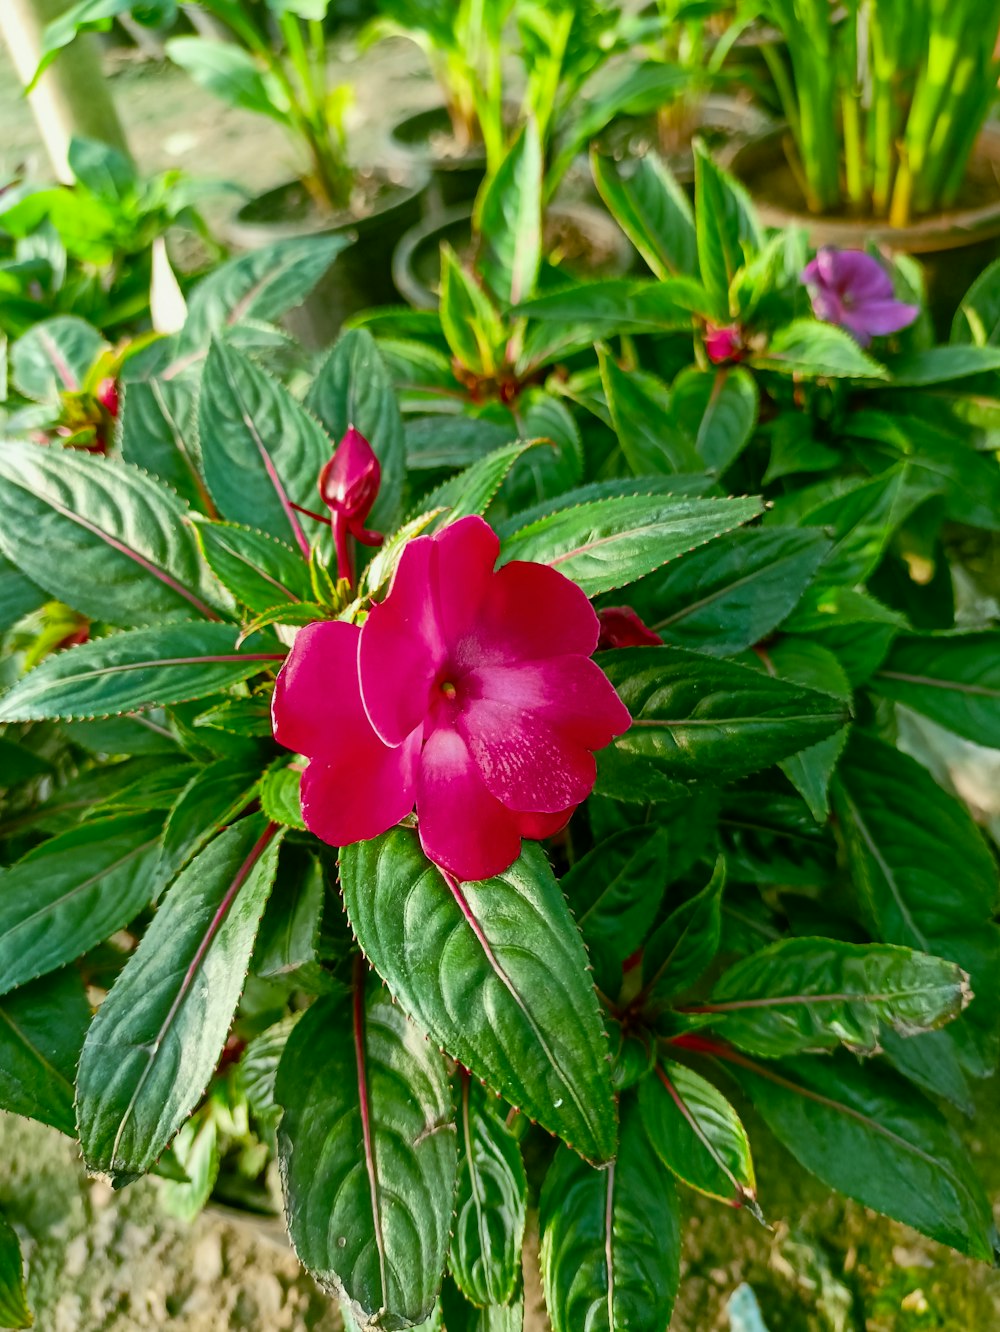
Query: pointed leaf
column 473, row 490
column 682, row 948
column 640, row 407
column 867, row 1133
column 42, row 1029
column 509, row 221
column 14, row 1311
column 158, row 1036
column 698, row 1135
column 652, row 209
column 472, row 326
column 132, row 670
column 485, row 1256
column 611, row 1239
column 54, row 357
column 953, row 678
column 74, row 891
column 159, row 432
column 609, row 543
column 495, row 974
column 368, row 1156
column 695, row 717
column 727, row 230
column 718, row 410
column 259, row 571
column 808, row 349
column 101, row 536
column 209, row 802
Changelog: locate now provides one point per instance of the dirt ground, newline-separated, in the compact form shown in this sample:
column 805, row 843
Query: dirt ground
column 100, row 1262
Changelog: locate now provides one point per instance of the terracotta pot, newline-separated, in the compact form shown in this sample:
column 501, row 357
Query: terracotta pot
column 416, row 264
column 361, row 276
column 425, row 138
column 954, row 246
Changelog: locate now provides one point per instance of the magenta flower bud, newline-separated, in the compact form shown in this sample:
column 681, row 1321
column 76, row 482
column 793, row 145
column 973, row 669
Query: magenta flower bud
column 348, row 485
column 467, row 693
column 852, row 290
column 724, row 344
column 621, row 628
column 107, row 396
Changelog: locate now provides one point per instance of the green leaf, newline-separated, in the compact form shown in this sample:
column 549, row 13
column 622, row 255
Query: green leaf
column 261, row 450
column 682, row 948
column 472, row 325
column 939, row 365
column 260, row 286
column 977, row 319
column 353, row 387
column 643, row 419
column 14, row 1311
column 555, row 466
column 209, row 802
column 622, row 305
column 54, row 357
column 952, row 678
column 652, row 209
column 485, row 1255
column 614, row 892
column 472, row 491
column 260, row 571
column 698, row 1135
column 923, row 875
column 609, row 543
column 811, row 350
column 18, row 595
column 496, row 975
column 226, row 70
column 697, row 718
column 196, row 1152
column 279, row 795
column 101, row 536
column 368, row 1156
column 132, row 670
column 611, row 1239
column 73, row 891
column 259, row 1068
column 42, row 1029
column 158, row 431
column 869, row 1134
column 718, row 410
column 801, row 995
column 726, row 227
column 158, row 1036
column 289, row 939
column 730, row 595
column 509, row 221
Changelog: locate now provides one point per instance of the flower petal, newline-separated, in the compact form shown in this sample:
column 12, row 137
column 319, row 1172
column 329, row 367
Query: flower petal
column 884, row 316
column 462, row 827
column 436, row 592
column 524, row 762
column 570, row 693
column 316, row 692
column 539, row 826
column 529, row 611
column 364, row 792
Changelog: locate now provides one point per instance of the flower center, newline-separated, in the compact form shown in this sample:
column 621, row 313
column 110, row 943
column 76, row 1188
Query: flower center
column 448, row 689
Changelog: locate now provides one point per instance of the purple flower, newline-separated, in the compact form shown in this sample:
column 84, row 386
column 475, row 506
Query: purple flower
column 851, row 289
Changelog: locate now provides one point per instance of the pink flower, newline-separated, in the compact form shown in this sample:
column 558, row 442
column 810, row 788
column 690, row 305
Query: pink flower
column 724, row 344
column 621, row 628
column 851, row 289
column 107, row 396
column 349, row 485
column 468, row 692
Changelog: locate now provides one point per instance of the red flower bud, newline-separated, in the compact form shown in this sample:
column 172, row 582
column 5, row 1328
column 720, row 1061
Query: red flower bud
column 621, row 627
column 348, row 485
column 724, row 344
column 107, row 396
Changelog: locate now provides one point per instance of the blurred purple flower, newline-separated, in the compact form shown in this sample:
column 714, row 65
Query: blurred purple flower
column 851, row 289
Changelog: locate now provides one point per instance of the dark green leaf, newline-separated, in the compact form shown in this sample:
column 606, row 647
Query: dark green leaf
column 288, row 941
column 953, row 678
column 472, row 491
column 72, row 892
column 42, row 1028
column 210, row 801
column 368, row 1154
column 279, row 795
column 259, row 571
column 158, row 1036
column 261, row 450
column 718, row 410
column 730, row 595
column 812, row 994
column 14, row 1311
column 158, row 431
column 612, row 542
column 509, row 221
column 475, row 333
column 19, row 596
column 695, row 717
column 938, row 365
column 726, row 227
column 687, row 941
column 698, row 1135
column 496, row 975
column 867, row 1133
column 485, row 1256
column 101, row 536
column 611, row 1239
column 132, row 670
column 353, row 387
